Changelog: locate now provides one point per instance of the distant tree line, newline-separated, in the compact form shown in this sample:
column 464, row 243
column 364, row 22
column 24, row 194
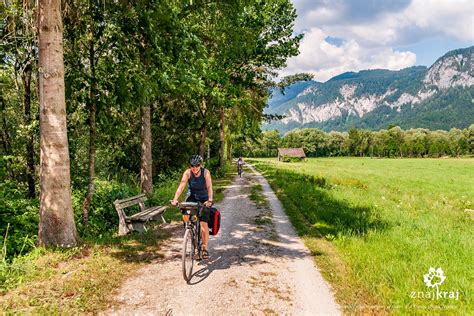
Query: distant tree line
column 390, row 143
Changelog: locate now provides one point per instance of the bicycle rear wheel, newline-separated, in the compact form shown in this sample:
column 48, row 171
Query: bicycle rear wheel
column 187, row 256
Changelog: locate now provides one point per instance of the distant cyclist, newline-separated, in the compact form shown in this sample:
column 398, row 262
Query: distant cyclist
column 240, row 164
column 199, row 184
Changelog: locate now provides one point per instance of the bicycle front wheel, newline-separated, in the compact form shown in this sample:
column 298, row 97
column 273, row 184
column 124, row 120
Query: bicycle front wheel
column 187, row 256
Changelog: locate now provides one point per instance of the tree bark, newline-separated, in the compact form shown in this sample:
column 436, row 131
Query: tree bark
column 92, row 137
column 202, row 143
column 229, row 150
column 30, row 154
column 221, row 140
column 146, row 177
column 5, row 134
column 7, row 147
column 56, row 223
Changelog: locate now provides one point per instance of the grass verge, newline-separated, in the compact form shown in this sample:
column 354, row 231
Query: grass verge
column 78, row 280
column 83, row 279
column 375, row 227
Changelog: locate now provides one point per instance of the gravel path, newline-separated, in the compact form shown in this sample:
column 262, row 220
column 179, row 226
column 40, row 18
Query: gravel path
column 253, row 269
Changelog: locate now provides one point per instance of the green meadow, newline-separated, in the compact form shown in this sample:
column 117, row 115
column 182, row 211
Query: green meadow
column 376, row 227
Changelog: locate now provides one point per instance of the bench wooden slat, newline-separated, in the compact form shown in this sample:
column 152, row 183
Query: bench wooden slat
column 133, row 198
column 141, row 214
column 128, row 203
column 147, row 214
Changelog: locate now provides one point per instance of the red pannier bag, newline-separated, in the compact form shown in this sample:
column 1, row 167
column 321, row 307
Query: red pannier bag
column 215, row 221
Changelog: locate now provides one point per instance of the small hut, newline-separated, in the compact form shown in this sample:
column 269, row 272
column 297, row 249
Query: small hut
column 290, row 153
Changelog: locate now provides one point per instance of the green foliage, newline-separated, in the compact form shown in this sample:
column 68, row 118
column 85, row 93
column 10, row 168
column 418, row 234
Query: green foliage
column 288, row 81
column 393, row 142
column 185, row 61
column 103, row 218
column 287, row 158
column 213, row 166
column 19, row 220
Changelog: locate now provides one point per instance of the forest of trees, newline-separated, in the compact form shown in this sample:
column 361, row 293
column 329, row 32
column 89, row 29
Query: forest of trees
column 392, row 142
column 122, row 92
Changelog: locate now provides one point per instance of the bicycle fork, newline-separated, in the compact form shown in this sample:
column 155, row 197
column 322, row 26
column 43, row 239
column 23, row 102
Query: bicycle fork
column 198, row 241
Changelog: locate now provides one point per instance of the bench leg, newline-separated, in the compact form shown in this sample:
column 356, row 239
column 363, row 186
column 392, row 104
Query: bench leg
column 163, row 219
column 123, row 228
column 139, row 227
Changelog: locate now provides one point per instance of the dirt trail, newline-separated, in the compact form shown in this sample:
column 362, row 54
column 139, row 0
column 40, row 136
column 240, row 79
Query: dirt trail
column 253, row 269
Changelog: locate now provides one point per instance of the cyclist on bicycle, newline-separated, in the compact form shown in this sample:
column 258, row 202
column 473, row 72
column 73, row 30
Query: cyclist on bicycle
column 199, row 184
column 240, row 164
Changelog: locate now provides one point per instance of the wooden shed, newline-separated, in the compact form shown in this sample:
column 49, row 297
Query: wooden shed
column 291, row 153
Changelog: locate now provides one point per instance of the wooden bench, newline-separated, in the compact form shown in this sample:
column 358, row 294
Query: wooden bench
column 137, row 221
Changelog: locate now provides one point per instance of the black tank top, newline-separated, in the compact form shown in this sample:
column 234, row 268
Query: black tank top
column 197, row 186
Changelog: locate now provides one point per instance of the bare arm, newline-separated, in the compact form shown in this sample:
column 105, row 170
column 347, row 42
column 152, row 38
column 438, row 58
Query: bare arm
column 207, row 176
column 182, row 184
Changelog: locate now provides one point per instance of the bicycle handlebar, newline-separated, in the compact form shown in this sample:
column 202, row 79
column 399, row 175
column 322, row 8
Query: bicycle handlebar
column 189, row 205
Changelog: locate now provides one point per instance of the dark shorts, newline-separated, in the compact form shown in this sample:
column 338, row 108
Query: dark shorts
column 205, row 211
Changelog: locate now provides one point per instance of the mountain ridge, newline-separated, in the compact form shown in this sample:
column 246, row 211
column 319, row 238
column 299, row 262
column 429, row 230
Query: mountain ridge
column 438, row 97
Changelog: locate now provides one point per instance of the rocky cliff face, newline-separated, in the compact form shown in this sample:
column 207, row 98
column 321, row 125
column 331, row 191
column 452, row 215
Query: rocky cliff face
column 453, row 69
column 377, row 98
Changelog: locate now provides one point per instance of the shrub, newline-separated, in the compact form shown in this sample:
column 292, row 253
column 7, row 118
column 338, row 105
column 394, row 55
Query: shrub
column 102, row 214
column 287, row 158
column 18, row 215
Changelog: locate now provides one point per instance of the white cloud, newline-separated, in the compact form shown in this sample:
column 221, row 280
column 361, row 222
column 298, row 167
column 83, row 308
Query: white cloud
column 454, row 18
column 372, row 30
column 326, row 60
column 324, row 15
column 422, row 18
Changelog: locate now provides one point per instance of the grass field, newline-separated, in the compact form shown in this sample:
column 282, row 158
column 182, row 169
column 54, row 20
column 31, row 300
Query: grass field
column 376, row 226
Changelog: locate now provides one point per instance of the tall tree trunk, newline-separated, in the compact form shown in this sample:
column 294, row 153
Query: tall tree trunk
column 202, row 142
column 92, row 137
column 229, row 150
column 221, row 140
column 146, row 177
column 7, row 147
column 30, row 154
column 56, row 223
column 5, row 135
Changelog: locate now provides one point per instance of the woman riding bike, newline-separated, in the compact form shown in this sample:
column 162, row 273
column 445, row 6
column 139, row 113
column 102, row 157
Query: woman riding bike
column 240, row 164
column 199, row 184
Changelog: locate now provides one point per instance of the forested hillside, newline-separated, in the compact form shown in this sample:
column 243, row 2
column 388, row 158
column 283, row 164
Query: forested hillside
column 439, row 97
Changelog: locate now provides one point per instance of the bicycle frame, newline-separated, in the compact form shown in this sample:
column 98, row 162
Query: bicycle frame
column 192, row 233
column 195, row 226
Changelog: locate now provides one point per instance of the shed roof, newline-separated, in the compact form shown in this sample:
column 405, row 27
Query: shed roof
column 291, row 152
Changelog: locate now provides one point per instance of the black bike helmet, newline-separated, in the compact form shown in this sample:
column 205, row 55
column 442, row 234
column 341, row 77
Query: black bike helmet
column 195, row 160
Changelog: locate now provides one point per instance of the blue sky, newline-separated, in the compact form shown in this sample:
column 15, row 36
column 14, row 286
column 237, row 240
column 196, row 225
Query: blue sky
column 353, row 35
